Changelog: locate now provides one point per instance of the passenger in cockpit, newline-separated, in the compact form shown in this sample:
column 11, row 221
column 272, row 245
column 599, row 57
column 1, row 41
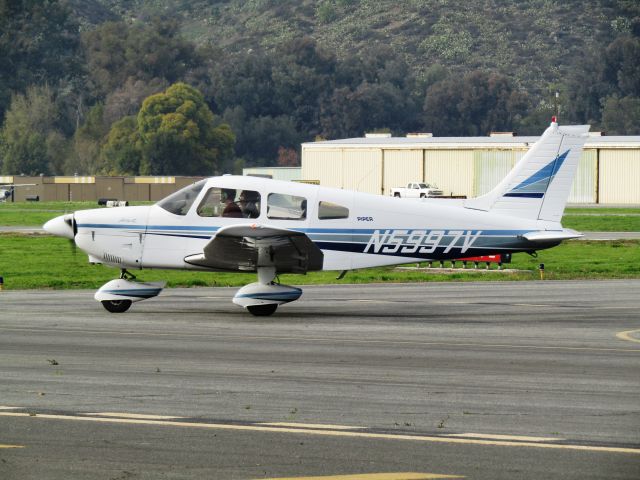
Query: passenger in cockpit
column 231, row 209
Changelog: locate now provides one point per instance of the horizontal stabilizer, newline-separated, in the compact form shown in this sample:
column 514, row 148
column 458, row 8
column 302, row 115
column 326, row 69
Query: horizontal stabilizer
column 547, row 236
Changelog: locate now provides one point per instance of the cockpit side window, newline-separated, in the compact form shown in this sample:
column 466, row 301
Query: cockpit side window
column 281, row 206
column 180, row 202
column 229, row 202
column 331, row 211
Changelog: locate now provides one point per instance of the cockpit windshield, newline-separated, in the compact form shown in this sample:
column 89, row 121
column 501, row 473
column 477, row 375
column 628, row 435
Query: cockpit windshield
column 180, row 202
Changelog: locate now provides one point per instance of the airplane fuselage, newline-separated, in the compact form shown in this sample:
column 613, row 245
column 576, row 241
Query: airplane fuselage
column 373, row 230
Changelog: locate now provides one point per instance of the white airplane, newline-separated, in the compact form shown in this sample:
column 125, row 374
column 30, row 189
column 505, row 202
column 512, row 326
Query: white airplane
column 6, row 189
column 250, row 224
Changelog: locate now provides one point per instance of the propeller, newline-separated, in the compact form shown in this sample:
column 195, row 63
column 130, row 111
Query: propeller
column 63, row 226
column 71, row 221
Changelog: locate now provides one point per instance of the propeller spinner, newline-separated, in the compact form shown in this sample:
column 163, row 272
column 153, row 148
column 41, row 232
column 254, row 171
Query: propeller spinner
column 62, row 226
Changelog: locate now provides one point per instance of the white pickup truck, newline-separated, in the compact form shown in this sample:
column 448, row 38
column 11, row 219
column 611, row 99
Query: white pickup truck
column 416, row 190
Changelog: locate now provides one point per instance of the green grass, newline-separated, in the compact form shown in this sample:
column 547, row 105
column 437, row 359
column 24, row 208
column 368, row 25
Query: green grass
column 35, row 214
column 41, row 261
column 597, row 210
column 602, row 222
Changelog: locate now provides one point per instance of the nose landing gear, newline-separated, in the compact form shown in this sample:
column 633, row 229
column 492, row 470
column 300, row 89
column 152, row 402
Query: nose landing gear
column 117, row 295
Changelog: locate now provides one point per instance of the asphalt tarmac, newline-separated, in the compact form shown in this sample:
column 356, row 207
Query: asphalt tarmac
column 478, row 380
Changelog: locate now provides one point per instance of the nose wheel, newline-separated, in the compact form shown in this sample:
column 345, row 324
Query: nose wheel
column 263, row 310
column 116, row 306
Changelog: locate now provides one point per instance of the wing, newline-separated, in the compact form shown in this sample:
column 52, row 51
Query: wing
column 247, row 247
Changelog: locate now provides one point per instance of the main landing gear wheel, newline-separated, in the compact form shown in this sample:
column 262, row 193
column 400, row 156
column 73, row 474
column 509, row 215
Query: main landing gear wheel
column 116, row 306
column 263, row 310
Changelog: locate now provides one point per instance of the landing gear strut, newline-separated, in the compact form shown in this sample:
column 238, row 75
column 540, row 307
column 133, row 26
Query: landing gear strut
column 126, row 274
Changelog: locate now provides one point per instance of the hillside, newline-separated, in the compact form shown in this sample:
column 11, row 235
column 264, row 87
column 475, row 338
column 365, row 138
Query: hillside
column 240, row 82
column 536, row 42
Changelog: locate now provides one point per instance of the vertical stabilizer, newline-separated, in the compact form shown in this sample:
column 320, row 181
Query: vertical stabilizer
column 539, row 185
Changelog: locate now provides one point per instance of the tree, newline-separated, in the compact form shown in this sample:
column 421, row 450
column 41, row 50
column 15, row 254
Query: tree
column 258, row 138
column 31, row 143
column 178, row 135
column 288, row 157
column 39, row 43
column 151, row 52
column 293, row 80
column 87, row 142
column 121, row 153
column 621, row 116
column 127, row 99
column 368, row 107
column 622, row 66
column 475, row 104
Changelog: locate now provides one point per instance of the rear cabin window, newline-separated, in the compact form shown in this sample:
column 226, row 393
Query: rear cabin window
column 180, row 202
column 332, row 211
column 230, row 202
column 281, row 206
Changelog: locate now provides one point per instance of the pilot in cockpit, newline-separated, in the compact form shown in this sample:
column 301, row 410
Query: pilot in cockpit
column 250, row 203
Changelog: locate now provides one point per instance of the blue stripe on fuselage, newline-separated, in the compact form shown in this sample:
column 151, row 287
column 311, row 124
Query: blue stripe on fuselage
column 409, row 243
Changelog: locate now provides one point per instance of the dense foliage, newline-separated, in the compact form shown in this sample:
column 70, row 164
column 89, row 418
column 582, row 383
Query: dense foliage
column 107, row 86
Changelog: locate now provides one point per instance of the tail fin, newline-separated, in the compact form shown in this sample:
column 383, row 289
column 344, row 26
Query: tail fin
column 539, row 185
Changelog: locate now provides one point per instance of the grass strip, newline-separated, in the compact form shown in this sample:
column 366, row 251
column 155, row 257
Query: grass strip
column 42, row 261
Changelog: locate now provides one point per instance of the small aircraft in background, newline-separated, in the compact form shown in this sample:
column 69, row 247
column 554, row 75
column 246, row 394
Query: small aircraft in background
column 250, row 224
column 7, row 189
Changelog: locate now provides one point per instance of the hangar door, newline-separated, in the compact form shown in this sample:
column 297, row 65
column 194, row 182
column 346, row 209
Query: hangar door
column 450, row 170
column 401, row 167
column 584, row 185
column 324, row 166
column 619, row 176
column 362, row 170
column 491, row 166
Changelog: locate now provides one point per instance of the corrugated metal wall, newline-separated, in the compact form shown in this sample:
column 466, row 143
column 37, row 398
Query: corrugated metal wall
column 136, row 191
column 584, row 189
column 362, row 170
column 66, row 189
column 450, row 170
column 619, row 176
column 81, row 191
column 490, row 167
column 471, row 172
column 110, row 188
column 402, row 167
column 323, row 165
column 21, row 193
column 352, row 169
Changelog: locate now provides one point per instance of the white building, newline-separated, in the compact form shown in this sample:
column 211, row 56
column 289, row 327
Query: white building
column 609, row 171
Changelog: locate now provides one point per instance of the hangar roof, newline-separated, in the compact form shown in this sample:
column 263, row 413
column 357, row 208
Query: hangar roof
column 464, row 142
